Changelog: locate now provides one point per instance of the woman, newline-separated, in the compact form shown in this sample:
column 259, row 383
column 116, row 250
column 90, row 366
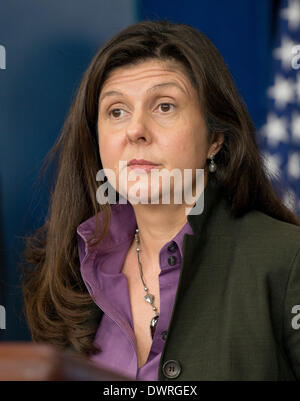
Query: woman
column 221, row 286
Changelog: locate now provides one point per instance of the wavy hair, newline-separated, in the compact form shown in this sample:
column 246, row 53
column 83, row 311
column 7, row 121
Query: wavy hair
column 58, row 307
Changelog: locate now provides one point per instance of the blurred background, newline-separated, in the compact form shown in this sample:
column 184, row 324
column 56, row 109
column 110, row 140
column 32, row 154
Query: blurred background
column 45, row 46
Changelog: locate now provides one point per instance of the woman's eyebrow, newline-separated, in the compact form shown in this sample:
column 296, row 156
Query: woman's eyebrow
column 165, row 84
column 152, row 89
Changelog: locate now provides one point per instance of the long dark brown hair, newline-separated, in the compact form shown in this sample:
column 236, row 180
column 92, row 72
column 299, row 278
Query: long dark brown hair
column 58, row 308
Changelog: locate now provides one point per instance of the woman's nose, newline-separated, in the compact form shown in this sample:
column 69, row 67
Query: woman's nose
column 138, row 127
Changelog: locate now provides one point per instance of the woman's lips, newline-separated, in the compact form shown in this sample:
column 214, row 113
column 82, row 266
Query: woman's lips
column 143, row 167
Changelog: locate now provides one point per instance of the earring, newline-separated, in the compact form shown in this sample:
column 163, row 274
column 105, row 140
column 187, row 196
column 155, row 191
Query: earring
column 212, row 166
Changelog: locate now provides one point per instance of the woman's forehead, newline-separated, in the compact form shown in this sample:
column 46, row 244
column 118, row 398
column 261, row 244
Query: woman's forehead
column 155, row 70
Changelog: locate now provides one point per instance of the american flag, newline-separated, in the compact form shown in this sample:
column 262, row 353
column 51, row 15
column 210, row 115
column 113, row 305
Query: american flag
column 281, row 132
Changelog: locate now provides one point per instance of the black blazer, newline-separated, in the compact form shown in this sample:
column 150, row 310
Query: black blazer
column 236, row 314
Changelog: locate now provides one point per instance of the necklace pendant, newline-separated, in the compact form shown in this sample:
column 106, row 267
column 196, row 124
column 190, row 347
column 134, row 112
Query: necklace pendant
column 149, row 298
column 153, row 325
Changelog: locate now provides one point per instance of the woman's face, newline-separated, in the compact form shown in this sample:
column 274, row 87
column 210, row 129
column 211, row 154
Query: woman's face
column 150, row 111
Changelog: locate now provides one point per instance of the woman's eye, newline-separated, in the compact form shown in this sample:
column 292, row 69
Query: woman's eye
column 115, row 113
column 165, row 107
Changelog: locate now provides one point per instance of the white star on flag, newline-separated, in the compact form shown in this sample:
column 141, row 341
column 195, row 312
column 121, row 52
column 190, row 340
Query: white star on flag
column 290, row 200
column 272, row 164
column 284, row 52
column 292, row 14
column 294, row 165
column 282, row 91
column 275, row 129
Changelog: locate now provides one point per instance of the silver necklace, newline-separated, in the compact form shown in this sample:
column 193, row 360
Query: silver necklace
column 148, row 297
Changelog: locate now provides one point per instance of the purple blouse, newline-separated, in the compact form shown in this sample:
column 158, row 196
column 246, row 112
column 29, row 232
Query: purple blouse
column 107, row 284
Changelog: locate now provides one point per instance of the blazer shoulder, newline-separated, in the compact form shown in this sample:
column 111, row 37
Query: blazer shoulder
column 268, row 242
column 262, row 223
column 269, row 233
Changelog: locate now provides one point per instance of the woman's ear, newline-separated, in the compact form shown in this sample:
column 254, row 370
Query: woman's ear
column 216, row 144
